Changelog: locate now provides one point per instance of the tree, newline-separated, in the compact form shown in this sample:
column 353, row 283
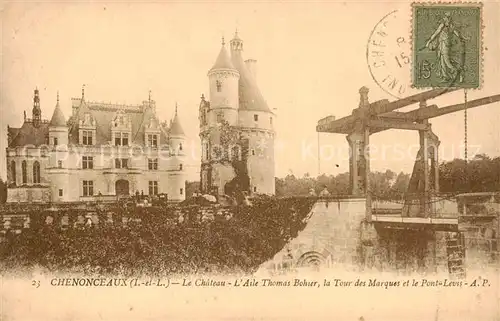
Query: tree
column 191, row 187
column 3, row 191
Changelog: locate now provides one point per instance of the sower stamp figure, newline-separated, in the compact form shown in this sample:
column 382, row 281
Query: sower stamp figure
column 447, row 42
column 444, row 34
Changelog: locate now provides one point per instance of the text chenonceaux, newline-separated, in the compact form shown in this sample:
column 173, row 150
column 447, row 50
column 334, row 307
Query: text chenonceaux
column 262, row 282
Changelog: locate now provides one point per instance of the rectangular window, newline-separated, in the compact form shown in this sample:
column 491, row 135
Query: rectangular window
column 88, row 188
column 55, row 141
column 87, row 137
column 153, row 164
column 256, row 117
column 121, row 139
column 255, row 188
column 60, row 192
column 270, row 120
column 153, row 140
column 87, row 162
column 182, row 191
column 121, row 163
column 59, row 164
column 125, row 139
column 153, row 188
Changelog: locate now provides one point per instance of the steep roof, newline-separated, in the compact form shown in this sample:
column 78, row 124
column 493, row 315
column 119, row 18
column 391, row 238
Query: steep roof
column 58, row 119
column 223, row 60
column 175, row 127
column 29, row 134
column 103, row 115
column 250, row 97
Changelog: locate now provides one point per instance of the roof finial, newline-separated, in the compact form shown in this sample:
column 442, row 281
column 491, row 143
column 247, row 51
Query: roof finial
column 202, row 96
column 58, row 97
column 83, row 92
column 149, row 98
column 176, row 108
column 236, row 32
column 223, row 42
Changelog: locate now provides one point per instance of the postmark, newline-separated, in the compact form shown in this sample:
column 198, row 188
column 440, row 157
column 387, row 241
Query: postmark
column 388, row 54
column 446, row 45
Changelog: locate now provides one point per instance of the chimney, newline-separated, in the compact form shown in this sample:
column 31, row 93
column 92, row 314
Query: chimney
column 252, row 66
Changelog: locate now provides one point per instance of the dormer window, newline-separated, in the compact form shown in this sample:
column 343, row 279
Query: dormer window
column 153, row 140
column 121, row 139
column 87, row 137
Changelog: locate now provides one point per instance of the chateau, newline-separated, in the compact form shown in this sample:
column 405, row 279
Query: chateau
column 102, row 149
column 236, row 128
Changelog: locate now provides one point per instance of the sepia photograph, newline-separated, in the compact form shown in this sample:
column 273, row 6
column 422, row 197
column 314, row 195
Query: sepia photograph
column 250, row 160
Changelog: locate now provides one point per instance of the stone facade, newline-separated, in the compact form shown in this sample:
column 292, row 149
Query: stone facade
column 331, row 238
column 103, row 149
column 236, row 101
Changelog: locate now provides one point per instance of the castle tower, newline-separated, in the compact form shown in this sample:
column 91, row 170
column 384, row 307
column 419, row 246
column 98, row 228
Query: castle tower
column 36, row 111
column 57, row 170
column 223, row 83
column 176, row 187
column 251, row 167
column 58, row 129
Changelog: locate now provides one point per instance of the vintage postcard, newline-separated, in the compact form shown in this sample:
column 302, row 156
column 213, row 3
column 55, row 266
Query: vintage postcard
column 274, row 160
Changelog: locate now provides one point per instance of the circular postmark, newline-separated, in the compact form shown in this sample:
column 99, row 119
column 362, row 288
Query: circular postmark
column 388, row 55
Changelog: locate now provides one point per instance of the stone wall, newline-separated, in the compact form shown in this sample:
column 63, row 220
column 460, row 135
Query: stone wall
column 331, row 237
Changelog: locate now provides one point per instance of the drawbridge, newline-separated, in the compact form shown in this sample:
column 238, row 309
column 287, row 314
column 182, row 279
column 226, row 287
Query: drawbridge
column 417, row 213
column 423, row 190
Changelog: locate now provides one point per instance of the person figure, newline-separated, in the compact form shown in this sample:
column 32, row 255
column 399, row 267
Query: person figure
column 444, row 36
column 324, row 192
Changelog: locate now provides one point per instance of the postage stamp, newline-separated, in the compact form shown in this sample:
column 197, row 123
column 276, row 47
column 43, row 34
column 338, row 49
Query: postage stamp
column 446, row 45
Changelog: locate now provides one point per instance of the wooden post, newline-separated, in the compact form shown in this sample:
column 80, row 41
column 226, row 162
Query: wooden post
column 424, row 190
column 366, row 153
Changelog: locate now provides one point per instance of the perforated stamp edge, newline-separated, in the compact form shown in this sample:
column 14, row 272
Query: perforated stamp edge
column 481, row 36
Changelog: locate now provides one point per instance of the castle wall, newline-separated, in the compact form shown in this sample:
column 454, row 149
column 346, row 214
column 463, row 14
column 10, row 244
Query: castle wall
column 104, row 175
column 331, row 237
column 261, row 163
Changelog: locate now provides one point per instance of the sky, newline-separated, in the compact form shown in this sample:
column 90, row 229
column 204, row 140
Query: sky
column 311, row 62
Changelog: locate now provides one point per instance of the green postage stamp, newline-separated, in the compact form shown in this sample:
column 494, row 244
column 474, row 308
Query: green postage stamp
column 447, row 45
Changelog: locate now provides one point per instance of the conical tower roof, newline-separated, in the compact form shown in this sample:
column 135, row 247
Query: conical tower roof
column 223, row 60
column 175, row 126
column 58, row 119
column 250, row 95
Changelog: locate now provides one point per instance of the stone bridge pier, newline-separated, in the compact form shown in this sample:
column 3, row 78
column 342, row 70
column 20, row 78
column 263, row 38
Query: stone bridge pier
column 337, row 235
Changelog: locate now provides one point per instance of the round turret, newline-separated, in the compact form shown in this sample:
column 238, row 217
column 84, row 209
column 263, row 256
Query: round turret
column 223, row 82
column 58, row 129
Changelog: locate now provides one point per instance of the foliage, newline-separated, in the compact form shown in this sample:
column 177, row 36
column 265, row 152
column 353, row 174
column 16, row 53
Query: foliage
column 159, row 245
column 235, row 150
column 3, row 191
column 385, row 184
column 481, row 174
column 191, row 187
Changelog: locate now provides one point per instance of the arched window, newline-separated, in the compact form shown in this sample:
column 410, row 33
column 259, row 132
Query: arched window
column 13, row 171
column 24, row 172
column 36, row 172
